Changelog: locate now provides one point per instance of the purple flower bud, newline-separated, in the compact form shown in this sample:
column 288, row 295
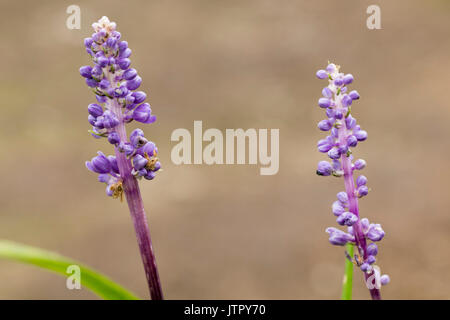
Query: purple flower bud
column 97, row 71
column 111, row 42
column 350, row 122
column 338, row 82
column 365, row 267
column 343, row 149
column 120, row 92
column 321, row 74
column 157, row 166
column 91, row 83
column 109, row 119
column 365, row 225
column 126, row 148
column 86, row 71
column 142, row 172
column 371, row 259
column 362, row 191
column 123, row 45
column 330, row 112
column 129, row 74
column 338, row 114
column 124, row 63
column 99, row 164
column 139, row 162
column 102, row 61
column 354, row 95
column 104, row 177
column 103, row 84
column 338, row 237
column 337, row 208
column 327, row 93
column 137, row 138
column 324, row 168
column 133, row 84
column 384, row 279
column 347, row 101
column 150, row 175
column 372, row 249
column 360, row 164
column 342, row 197
column 113, row 162
column 149, row 149
column 139, row 96
column 88, row 42
column 324, row 102
column 352, row 141
column 125, row 53
column 324, row 145
column 95, row 110
column 361, row 181
column 113, row 138
column 331, row 67
column 142, row 113
column 337, row 165
column 92, row 120
column 347, row 218
column 375, row 232
column 348, row 78
column 334, row 153
column 325, row 125
column 361, row 135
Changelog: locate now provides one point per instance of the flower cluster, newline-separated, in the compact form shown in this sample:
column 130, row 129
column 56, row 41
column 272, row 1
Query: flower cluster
column 114, row 84
column 345, row 134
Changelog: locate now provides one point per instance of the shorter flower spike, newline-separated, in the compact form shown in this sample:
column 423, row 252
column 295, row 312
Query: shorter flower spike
column 344, row 135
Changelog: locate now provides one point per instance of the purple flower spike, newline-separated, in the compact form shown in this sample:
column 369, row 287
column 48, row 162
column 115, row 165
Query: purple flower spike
column 114, row 85
column 345, row 135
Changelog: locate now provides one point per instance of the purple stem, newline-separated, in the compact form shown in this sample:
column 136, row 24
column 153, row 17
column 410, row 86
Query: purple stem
column 361, row 244
column 136, row 207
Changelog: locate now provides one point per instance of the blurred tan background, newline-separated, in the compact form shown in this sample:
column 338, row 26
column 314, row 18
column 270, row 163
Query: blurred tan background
column 225, row 231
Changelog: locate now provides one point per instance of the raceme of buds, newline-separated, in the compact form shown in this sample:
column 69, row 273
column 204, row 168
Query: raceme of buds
column 344, row 135
column 114, row 84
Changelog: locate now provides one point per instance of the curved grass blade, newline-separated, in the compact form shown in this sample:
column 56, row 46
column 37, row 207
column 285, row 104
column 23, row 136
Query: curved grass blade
column 94, row 281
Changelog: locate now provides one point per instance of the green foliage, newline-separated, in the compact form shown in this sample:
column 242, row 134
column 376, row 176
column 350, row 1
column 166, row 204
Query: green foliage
column 94, row 281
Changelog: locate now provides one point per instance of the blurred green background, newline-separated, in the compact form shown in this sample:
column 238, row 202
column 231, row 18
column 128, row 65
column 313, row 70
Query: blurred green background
column 225, row 231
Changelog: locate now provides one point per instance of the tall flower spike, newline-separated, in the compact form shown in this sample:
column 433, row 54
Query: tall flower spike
column 114, row 83
column 345, row 135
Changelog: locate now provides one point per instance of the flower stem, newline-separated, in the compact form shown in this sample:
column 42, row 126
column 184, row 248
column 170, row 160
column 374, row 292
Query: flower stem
column 136, row 207
column 360, row 239
column 347, row 283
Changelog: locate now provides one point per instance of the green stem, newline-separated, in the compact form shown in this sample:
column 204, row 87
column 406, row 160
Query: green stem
column 347, row 282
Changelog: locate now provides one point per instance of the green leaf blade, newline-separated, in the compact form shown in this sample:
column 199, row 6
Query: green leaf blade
column 91, row 279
